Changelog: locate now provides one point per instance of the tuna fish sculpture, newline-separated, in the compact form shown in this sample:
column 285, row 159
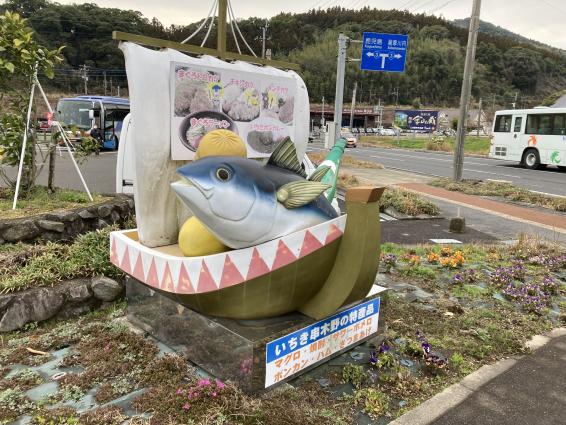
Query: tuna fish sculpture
column 245, row 203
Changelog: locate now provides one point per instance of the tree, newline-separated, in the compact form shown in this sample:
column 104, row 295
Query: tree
column 20, row 58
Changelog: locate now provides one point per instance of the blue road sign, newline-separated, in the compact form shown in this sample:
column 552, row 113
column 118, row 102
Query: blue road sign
column 384, row 52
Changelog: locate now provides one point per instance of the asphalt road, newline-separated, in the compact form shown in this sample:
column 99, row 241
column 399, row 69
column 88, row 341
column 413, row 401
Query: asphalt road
column 549, row 180
column 99, row 172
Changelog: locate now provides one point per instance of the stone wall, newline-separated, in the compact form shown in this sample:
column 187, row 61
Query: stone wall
column 67, row 299
column 65, row 225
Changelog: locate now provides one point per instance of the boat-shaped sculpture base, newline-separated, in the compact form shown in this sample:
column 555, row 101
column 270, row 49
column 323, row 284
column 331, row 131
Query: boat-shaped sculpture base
column 255, row 354
column 315, row 270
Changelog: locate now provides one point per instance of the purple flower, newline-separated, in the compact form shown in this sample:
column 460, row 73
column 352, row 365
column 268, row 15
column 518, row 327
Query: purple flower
column 186, row 406
column 180, row 391
column 373, row 358
column 383, row 348
column 458, row 278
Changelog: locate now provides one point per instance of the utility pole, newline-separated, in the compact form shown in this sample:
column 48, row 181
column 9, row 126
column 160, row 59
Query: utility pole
column 263, row 33
column 339, row 96
column 353, row 106
column 84, row 76
column 479, row 117
column 104, row 83
column 322, row 119
column 466, row 90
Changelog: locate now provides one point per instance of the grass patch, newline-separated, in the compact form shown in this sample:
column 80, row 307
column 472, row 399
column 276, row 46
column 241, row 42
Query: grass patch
column 472, row 144
column 41, row 265
column 407, row 202
column 39, row 200
column 346, row 161
column 503, row 190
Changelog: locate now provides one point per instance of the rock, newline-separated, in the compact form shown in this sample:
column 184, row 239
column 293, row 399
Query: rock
column 21, row 231
column 106, row 289
column 457, row 225
column 64, row 216
column 410, row 297
column 422, row 296
column 115, row 217
column 54, row 226
column 100, row 224
column 104, row 211
column 34, row 305
column 131, row 203
column 86, row 214
column 78, row 290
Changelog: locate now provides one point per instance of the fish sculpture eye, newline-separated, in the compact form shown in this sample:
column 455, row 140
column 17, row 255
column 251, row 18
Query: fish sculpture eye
column 223, row 174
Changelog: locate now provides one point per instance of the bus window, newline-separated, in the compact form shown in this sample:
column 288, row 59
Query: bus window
column 517, row 127
column 559, row 126
column 539, row 124
column 503, row 124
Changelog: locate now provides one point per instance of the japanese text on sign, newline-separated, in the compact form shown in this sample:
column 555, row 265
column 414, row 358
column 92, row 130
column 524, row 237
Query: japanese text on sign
column 290, row 354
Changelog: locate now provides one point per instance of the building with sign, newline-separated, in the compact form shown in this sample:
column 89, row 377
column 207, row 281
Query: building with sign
column 364, row 116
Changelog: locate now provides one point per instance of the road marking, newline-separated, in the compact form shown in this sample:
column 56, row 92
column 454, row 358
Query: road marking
column 489, row 172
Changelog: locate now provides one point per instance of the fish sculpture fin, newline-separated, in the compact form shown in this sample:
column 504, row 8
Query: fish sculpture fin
column 298, row 193
column 285, row 156
column 319, row 173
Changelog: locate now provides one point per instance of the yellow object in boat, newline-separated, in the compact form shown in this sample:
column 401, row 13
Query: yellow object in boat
column 195, row 239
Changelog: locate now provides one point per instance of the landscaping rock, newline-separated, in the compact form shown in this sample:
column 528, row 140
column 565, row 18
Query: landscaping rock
column 104, row 210
column 106, row 289
column 86, row 214
column 21, row 231
column 65, row 216
column 79, row 291
column 34, row 305
column 54, row 226
column 100, row 224
column 115, row 217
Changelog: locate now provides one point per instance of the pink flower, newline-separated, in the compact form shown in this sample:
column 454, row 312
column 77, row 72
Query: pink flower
column 220, row 384
column 204, row 383
column 180, row 391
column 214, row 394
column 186, row 406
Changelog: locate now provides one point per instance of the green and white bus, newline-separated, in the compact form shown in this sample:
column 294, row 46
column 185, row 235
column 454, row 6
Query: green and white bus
column 533, row 137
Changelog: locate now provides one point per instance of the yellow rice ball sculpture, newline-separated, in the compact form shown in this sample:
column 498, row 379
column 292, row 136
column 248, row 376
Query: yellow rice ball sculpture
column 194, row 238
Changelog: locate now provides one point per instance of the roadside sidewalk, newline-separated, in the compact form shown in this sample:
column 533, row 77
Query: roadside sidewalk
column 545, row 220
column 518, row 391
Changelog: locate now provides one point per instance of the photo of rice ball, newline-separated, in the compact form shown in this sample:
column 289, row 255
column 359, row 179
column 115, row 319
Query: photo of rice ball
column 241, row 104
column 277, row 104
column 264, row 134
column 192, row 96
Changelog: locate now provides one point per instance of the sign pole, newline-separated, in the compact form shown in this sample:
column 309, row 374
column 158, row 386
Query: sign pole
column 24, row 142
column 339, row 96
column 466, row 90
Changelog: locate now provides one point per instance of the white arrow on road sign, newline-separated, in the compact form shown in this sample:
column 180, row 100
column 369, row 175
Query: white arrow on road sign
column 369, row 54
column 397, row 56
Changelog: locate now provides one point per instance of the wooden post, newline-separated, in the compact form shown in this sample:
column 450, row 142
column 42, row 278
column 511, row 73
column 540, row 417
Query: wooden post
column 222, row 11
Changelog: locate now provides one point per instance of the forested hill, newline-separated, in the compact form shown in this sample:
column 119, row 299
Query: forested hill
column 506, row 66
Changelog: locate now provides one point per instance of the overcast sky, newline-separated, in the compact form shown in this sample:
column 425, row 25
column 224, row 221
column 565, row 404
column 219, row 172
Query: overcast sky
column 541, row 20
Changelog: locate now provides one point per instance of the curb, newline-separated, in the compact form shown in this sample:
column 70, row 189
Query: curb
column 455, row 394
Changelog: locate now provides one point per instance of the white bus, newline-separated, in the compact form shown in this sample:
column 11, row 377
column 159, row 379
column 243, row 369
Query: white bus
column 533, row 137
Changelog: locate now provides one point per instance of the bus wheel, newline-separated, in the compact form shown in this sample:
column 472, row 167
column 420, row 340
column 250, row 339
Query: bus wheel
column 531, row 159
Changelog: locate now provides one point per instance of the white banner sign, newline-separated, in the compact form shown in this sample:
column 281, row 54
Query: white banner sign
column 288, row 355
column 260, row 108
